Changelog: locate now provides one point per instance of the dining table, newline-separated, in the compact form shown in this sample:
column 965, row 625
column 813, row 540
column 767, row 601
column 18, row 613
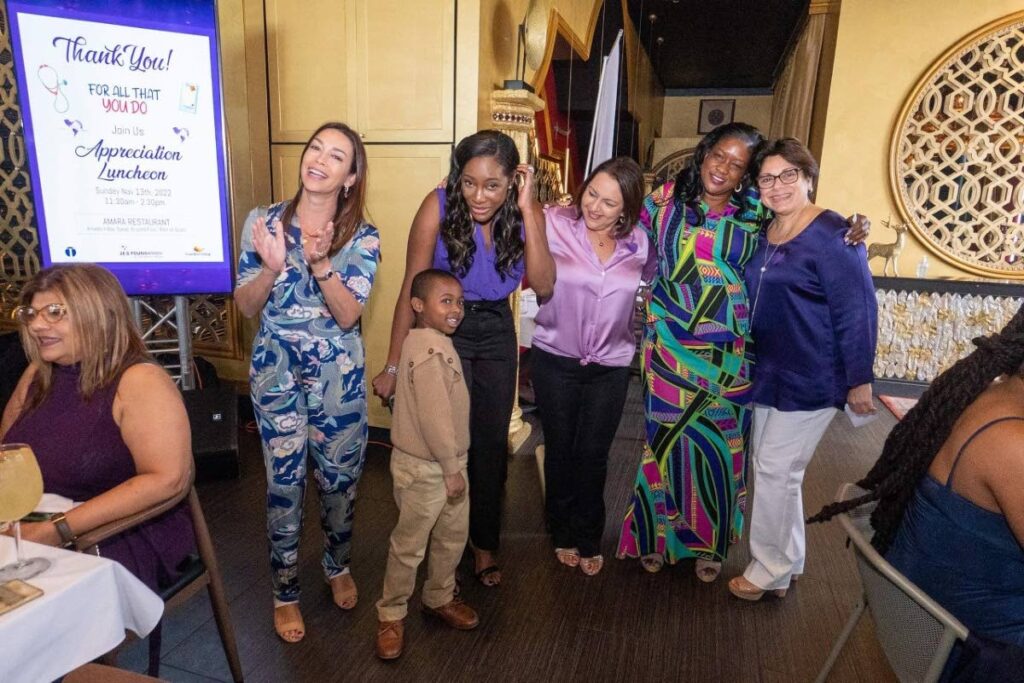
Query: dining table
column 87, row 606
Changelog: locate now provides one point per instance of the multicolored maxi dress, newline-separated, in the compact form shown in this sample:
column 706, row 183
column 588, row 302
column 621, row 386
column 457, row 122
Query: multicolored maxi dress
column 308, row 388
column 689, row 494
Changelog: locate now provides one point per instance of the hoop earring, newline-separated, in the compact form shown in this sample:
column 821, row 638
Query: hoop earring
column 622, row 219
column 739, row 188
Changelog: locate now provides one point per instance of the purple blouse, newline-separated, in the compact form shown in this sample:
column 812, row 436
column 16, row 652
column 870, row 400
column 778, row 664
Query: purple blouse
column 813, row 318
column 590, row 314
column 481, row 282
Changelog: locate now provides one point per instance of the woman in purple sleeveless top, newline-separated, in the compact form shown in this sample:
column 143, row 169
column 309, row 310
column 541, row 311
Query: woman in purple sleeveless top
column 487, row 232
column 107, row 425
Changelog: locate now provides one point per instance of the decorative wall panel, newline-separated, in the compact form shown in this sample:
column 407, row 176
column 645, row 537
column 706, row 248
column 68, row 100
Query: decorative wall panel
column 669, row 167
column 924, row 326
column 958, row 149
column 19, row 239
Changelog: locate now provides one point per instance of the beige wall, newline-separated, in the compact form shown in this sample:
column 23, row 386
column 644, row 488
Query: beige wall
column 394, row 77
column 681, row 113
column 883, row 49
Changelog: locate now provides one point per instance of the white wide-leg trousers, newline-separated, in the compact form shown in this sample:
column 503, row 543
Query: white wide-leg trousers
column 782, row 445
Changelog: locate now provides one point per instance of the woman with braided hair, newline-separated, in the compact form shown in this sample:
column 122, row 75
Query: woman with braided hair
column 950, row 512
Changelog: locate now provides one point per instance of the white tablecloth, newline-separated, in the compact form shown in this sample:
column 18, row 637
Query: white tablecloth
column 88, row 603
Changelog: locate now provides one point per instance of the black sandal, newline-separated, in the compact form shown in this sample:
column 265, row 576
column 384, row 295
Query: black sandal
column 487, row 571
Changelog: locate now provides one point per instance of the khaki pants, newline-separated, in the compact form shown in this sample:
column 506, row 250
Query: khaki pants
column 425, row 514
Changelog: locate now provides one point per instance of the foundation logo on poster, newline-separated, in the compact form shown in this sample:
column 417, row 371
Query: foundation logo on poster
column 139, row 253
column 70, row 252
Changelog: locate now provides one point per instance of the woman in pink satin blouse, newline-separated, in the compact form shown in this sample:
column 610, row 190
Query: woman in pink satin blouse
column 582, row 349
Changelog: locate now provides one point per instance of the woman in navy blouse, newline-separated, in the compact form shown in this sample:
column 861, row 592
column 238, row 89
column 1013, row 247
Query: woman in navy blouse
column 813, row 322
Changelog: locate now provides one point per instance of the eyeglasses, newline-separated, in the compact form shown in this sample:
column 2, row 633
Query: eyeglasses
column 788, row 177
column 51, row 313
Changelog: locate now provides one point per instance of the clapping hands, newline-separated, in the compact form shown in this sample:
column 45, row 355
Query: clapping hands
column 269, row 244
column 316, row 244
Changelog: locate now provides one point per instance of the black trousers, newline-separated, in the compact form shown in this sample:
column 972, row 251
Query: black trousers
column 580, row 409
column 486, row 344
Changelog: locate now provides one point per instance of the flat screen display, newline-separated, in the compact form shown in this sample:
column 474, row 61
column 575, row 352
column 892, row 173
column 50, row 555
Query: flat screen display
column 123, row 123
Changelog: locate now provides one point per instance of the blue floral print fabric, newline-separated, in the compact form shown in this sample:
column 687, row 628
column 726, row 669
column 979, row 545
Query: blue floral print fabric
column 308, row 389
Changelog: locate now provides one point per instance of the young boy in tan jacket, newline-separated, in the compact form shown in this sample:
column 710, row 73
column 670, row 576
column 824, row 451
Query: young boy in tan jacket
column 430, row 438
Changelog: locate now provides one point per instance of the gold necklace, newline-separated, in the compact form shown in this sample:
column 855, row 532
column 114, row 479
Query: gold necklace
column 600, row 236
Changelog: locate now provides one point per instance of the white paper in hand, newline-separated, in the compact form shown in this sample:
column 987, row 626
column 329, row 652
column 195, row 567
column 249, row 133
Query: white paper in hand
column 860, row 420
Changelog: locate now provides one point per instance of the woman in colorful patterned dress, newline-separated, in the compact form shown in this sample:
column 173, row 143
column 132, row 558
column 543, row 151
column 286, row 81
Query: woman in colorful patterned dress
column 306, row 267
column 690, row 491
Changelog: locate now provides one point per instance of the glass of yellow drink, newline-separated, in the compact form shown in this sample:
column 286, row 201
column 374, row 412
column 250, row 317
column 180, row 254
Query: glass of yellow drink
column 21, row 487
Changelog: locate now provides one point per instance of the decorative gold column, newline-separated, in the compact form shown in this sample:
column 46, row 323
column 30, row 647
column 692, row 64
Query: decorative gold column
column 513, row 112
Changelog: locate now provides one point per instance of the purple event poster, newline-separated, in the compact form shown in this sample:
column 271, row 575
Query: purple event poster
column 122, row 111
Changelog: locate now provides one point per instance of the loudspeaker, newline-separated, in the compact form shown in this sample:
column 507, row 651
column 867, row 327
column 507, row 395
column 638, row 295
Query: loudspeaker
column 213, row 414
column 12, row 365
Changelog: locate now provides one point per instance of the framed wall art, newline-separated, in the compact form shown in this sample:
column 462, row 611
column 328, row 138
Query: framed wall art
column 714, row 113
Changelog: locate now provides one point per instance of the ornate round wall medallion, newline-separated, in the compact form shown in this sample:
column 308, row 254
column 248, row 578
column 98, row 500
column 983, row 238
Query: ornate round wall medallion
column 957, row 153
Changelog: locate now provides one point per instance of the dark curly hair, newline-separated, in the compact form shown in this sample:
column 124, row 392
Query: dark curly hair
column 689, row 189
column 506, row 227
column 914, row 442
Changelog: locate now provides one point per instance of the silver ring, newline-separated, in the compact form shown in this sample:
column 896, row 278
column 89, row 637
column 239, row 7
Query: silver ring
column 531, row 169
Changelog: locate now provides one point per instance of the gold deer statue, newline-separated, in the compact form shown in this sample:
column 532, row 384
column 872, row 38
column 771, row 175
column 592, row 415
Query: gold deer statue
column 890, row 251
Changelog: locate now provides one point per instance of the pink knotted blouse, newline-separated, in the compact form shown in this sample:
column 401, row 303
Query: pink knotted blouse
column 590, row 314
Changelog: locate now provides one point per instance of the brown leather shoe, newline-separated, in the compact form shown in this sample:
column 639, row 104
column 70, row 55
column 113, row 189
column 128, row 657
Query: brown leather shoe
column 389, row 639
column 456, row 614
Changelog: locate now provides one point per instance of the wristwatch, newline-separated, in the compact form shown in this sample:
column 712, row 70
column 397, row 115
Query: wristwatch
column 391, row 370
column 322, row 278
column 67, row 536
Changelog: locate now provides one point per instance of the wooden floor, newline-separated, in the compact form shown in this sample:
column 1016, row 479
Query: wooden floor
column 545, row 622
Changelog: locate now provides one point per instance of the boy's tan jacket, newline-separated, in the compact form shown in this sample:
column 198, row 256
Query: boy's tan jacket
column 431, row 413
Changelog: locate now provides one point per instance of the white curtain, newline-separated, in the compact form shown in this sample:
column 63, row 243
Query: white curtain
column 602, row 137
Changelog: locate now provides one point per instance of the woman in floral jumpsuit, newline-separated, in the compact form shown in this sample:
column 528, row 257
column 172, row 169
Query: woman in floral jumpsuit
column 307, row 267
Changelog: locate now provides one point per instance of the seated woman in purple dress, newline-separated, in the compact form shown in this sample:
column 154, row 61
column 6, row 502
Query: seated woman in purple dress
column 950, row 513
column 107, row 425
